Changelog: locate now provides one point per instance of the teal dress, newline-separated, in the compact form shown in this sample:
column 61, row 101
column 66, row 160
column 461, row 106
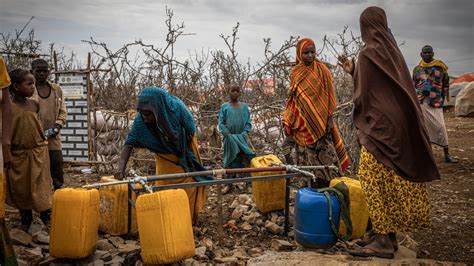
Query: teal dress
column 234, row 125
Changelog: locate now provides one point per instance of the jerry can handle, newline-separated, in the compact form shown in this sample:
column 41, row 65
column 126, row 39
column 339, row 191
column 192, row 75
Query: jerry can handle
column 265, row 160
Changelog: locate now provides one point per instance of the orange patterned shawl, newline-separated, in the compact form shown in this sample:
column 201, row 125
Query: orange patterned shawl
column 311, row 101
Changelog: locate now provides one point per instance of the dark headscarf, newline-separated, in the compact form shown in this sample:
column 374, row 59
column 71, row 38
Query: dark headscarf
column 387, row 114
column 173, row 131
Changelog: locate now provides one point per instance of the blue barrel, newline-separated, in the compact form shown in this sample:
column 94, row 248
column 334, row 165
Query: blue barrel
column 311, row 224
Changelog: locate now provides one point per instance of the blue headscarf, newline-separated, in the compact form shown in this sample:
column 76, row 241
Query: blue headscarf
column 173, row 132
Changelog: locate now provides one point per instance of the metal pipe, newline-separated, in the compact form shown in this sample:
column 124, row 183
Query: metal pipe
column 221, row 181
column 287, row 205
column 210, row 172
column 129, row 211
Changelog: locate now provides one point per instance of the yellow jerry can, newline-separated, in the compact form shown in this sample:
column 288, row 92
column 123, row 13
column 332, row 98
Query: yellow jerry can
column 268, row 195
column 113, row 211
column 358, row 206
column 164, row 227
column 74, row 223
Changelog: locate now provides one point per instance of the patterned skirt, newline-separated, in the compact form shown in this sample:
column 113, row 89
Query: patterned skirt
column 320, row 153
column 395, row 204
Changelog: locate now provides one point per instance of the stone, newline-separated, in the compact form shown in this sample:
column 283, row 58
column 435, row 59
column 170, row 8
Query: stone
column 98, row 263
column 405, row 253
column 35, row 228
column 48, row 261
column 116, row 260
column 188, row 262
column 41, row 237
column 246, row 226
column 207, row 242
column 23, row 263
column 132, row 257
column 237, row 213
column 280, row 220
column 226, row 260
column 408, row 242
column 127, row 248
column 44, row 248
column 116, row 241
column 259, row 222
column 254, row 252
column 210, row 254
column 250, row 218
column 240, row 254
column 20, row 237
column 274, row 217
column 131, row 242
column 243, row 198
column 234, row 204
column 104, row 244
column 35, row 253
column 244, row 208
column 106, row 257
column 98, row 254
column 281, row 245
column 273, row 228
column 200, row 251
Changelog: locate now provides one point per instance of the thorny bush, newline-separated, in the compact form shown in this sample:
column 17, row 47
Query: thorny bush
column 200, row 79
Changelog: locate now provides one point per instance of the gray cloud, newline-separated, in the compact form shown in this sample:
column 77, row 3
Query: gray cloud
column 447, row 25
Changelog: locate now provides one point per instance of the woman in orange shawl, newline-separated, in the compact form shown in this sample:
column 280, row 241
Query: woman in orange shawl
column 308, row 114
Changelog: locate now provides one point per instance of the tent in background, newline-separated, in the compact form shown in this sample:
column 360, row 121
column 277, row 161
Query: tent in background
column 457, row 85
column 463, row 90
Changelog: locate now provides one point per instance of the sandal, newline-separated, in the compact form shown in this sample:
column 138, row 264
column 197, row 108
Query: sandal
column 368, row 238
column 450, row 159
column 393, row 238
column 369, row 252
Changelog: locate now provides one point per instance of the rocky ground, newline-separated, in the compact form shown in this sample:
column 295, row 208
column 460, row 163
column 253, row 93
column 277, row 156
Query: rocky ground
column 251, row 237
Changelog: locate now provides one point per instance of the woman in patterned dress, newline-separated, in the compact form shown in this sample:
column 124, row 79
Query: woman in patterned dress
column 396, row 158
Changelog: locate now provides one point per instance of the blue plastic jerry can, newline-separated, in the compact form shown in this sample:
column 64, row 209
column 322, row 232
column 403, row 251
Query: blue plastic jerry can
column 311, row 223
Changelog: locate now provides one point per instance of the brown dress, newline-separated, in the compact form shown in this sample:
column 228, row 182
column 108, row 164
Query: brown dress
column 29, row 178
column 396, row 157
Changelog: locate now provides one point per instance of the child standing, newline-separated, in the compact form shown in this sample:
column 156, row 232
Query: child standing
column 53, row 115
column 29, row 178
column 235, row 125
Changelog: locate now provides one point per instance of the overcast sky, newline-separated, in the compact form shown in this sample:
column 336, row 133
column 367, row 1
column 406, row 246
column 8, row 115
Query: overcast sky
column 446, row 25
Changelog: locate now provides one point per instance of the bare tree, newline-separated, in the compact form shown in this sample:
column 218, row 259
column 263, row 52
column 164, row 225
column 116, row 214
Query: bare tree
column 199, row 80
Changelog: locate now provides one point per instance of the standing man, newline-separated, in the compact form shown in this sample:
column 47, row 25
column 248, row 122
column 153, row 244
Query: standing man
column 52, row 115
column 432, row 87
